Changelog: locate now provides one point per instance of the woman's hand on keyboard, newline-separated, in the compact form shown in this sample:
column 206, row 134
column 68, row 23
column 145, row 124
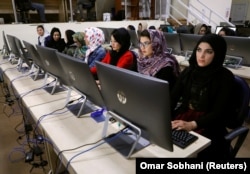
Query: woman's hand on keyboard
column 184, row 125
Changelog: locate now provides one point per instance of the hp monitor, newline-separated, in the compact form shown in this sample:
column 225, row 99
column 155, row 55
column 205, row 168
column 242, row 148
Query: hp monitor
column 142, row 101
column 173, row 41
column 82, row 80
column 239, row 47
column 52, row 68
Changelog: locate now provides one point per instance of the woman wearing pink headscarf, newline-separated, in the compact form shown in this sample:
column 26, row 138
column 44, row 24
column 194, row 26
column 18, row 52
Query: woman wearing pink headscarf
column 94, row 38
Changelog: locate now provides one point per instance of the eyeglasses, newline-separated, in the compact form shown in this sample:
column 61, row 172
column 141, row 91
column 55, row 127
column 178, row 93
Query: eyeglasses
column 144, row 44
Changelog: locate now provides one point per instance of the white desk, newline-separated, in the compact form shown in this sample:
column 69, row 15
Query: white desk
column 66, row 131
column 243, row 71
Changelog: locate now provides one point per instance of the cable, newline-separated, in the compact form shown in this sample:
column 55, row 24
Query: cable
column 53, row 112
column 112, row 137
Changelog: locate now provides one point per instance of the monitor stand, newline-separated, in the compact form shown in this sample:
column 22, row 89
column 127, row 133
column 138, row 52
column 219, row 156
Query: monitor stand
column 55, row 88
column 37, row 72
column 128, row 141
column 82, row 107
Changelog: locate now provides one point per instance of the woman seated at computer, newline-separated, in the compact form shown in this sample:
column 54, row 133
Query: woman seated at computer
column 94, row 38
column 225, row 31
column 55, row 40
column 70, row 45
column 81, row 47
column 42, row 34
column 119, row 55
column 203, row 95
column 154, row 58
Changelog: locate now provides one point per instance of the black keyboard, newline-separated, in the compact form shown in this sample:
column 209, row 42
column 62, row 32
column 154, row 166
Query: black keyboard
column 183, row 138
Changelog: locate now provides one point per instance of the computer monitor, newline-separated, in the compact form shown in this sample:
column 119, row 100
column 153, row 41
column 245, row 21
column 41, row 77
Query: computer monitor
column 173, row 41
column 24, row 55
column 82, row 80
column 188, row 42
column 38, row 63
column 52, row 68
column 12, row 44
column 218, row 28
column 142, row 100
column 133, row 39
column 6, row 48
column 239, row 47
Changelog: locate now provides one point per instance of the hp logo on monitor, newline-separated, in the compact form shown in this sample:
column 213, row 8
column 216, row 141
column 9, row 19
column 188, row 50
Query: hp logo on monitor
column 121, row 97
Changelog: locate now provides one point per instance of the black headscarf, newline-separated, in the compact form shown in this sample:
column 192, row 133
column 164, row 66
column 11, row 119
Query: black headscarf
column 69, row 34
column 121, row 36
column 199, row 78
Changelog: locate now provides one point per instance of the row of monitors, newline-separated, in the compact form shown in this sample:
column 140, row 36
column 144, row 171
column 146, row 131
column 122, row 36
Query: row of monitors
column 121, row 94
column 182, row 42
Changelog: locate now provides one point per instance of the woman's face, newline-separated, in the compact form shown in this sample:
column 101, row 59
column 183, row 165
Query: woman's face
column 86, row 39
column 114, row 44
column 202, row 31
column 40, row 31
column 56, row 36
column 146, row 46
column 222, row 33
column 78, row 44
column 204, row 54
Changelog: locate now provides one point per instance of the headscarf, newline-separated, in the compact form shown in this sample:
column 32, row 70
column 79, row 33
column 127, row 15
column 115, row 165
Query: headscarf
column 219, row 46
column 197, row 78
column 79, row 36
column 95, row 37
column 121, row 36
column 69, row 34
column 80, row 52
column 161, row 57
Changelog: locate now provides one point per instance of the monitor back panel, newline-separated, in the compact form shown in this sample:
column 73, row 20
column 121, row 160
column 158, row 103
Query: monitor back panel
column 140, row 99
column 80, row 77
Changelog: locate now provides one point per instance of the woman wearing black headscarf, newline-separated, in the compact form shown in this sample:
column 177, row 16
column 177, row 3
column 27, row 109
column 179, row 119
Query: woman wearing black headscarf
column 55, row 40
column 119, row 55
column 204, row 90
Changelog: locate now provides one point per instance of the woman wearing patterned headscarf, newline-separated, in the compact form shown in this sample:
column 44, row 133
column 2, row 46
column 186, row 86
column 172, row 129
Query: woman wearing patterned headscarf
column 203, row 95
column 94, row 38
column 154, row 59
column 81, row 47
column 120, row 55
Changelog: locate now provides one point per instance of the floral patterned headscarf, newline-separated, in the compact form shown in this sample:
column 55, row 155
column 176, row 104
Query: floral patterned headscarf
column 95, row 36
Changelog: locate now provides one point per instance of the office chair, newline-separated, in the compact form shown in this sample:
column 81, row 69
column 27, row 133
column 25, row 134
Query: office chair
column 238, row 131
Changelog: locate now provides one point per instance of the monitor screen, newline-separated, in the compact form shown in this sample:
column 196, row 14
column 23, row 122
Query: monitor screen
column 13, row 46
column 239, row 47
column 139, row 99
column 81, row 78
column 5, row 44
column 53, row 68
column 23, row 53
column 218, row 28
column 33, row 54
column 189, row 41
column 173, row 41
column 133, row 39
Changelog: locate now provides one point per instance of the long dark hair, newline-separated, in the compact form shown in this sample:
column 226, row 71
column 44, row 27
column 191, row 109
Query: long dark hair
column 121, row 36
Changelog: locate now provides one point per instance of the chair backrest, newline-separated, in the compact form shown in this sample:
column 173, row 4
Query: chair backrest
column 241, row 97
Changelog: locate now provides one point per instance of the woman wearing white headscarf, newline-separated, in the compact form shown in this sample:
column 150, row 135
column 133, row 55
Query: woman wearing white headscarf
column 94, row 38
